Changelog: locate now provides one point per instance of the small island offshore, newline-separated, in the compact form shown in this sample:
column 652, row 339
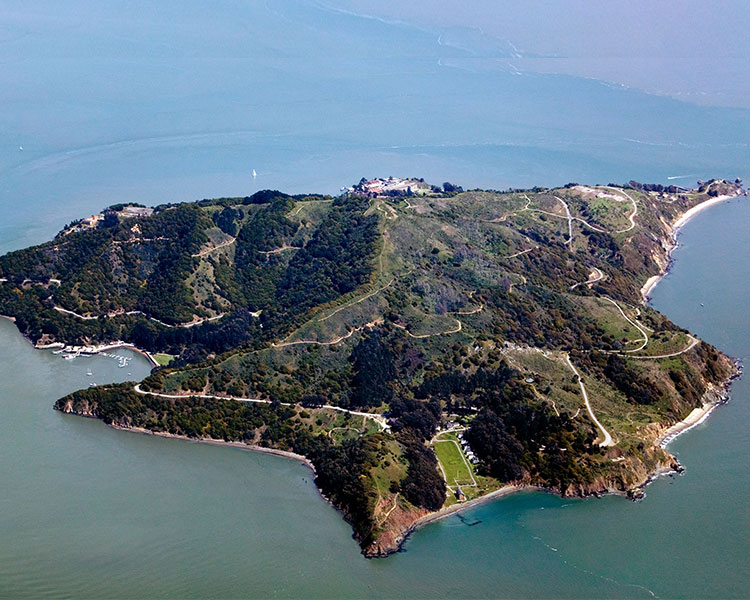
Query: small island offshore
column 421, row 348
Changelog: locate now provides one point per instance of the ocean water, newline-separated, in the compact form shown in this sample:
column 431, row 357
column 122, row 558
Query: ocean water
column 140, row 102
column 688, row 50
column 137, row 101
column 87, row 511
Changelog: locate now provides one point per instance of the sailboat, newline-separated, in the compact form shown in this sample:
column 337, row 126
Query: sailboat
column 254, row 174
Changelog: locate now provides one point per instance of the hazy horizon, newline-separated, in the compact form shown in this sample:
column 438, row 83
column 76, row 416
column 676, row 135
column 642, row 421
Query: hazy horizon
column 692, row 51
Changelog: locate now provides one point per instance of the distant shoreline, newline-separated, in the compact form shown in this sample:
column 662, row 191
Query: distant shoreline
column 681, row 221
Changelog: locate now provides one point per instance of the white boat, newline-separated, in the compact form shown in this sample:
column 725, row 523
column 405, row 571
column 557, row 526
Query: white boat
column 254, row 174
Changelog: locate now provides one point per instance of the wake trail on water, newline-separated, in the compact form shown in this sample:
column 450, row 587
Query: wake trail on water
column 593, row 574
column 57, row 158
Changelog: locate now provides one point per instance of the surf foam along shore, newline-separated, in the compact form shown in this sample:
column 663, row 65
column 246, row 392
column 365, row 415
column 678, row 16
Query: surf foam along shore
column 681, row 221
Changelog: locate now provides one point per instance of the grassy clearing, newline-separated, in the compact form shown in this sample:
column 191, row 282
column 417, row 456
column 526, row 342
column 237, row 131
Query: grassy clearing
column 553, row 380
column 202, row 282
column 310, row 211
column 391, row 468
column 604, row 211
column 453, row 463
column 665, row 342
column 337, row 425
column 162, row 358
column 608, row 318
column 621, row 418
column 216, row 237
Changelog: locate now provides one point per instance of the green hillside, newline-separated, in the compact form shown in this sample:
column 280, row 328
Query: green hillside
column 350, row 329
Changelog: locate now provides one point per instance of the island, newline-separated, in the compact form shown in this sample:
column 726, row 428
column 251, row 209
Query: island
column 420, row 347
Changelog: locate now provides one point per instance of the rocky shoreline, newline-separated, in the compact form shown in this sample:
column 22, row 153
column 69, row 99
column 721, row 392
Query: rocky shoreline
column 415, row 520
column 628, row 475
column 214, row 442
column 585, row 491
column 714, row 398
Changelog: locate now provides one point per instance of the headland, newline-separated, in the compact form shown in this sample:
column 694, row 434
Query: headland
column 422, row 348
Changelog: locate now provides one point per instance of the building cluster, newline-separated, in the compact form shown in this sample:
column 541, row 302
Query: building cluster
column 117, row 213
column 467, row 449
column 390, row 187
column 128, row 212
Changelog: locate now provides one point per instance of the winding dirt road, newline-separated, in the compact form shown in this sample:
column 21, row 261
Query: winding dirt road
column 357, row 301
column 570, row 218
column 214, row 248
column 278, row 250
column 379, row 419
column 331, row 342
column 635, row 208
column 112, row 315
column 694, row 341
column 607, row 438
column 633, row 323
column 428, row 335
column 594, row 276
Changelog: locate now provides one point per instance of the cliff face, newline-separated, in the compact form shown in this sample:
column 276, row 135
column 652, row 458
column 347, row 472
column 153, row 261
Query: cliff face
column 398, row 526
column 83, row 408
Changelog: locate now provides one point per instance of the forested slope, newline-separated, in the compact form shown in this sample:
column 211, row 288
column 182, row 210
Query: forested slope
column 503, row 329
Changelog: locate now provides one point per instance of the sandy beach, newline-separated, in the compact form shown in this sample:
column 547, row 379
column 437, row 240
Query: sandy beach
column 695, row 418
column 452, row 510
column 652, row 281
column 698, row 208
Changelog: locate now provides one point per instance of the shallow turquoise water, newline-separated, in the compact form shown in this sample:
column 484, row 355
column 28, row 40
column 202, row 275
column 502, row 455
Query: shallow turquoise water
column 145, row 103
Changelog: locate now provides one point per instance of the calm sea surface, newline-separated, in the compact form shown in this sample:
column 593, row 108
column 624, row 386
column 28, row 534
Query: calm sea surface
column 145, row 103
column 87, row 511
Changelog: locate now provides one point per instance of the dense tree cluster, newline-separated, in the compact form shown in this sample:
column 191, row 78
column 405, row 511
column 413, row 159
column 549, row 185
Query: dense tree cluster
column 334, row 262
column 513, row 435
column 630, row 382
column 143, row 264
column 423, row 485
column 374, row 370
